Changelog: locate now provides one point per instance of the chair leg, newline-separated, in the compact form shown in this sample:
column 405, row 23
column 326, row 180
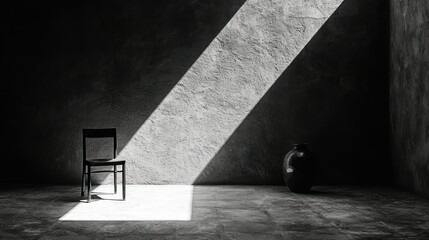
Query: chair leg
column 89, row 184
column 123, row 182
column 82, row 185
column 115, row 179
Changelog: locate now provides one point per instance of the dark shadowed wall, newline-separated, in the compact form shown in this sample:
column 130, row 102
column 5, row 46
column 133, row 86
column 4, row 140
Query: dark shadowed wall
column 409, row 94
column 334, row 96
column 81, row 64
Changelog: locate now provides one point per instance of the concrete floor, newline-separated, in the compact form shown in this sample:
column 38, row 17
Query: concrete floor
column 212, row 212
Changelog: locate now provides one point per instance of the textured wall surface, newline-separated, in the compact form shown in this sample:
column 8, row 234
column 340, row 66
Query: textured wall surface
column 220, row 89
column 194, row 103
column 409, row 94
column 334, row 95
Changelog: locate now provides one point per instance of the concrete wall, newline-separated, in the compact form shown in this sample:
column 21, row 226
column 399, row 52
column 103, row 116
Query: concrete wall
column 334, row 95
column 110, row 64
column 409, row 94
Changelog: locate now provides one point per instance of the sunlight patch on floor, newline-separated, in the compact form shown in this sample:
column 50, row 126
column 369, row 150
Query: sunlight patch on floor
column 144, row 203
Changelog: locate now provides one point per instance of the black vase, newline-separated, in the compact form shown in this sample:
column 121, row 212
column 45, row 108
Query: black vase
column 299, row 168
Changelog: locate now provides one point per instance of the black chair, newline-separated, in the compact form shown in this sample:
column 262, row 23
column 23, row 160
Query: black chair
column 89, row 163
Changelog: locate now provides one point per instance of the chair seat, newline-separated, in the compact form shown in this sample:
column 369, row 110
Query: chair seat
column 104, row 162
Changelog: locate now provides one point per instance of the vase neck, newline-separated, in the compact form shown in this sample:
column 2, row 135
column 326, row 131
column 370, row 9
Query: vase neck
column 300, row 146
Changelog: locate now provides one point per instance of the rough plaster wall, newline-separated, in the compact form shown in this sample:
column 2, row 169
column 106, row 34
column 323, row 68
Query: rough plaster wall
column 220, row 89
column 113, row 64
column 334, row 95
column 409, row 94
column 78, row 64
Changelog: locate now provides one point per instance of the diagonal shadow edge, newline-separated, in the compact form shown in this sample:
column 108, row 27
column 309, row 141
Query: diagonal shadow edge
column 109, row 68
column 292, row 67
column 76, row 212
column 316, row 102
column 219, row 90
column 156, row 85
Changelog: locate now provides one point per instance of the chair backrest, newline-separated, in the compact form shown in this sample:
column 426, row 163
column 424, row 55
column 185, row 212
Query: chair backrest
column 100, row 133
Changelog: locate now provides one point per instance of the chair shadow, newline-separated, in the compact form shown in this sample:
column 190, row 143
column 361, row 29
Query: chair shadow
column 95, row 198
column 76, row 198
